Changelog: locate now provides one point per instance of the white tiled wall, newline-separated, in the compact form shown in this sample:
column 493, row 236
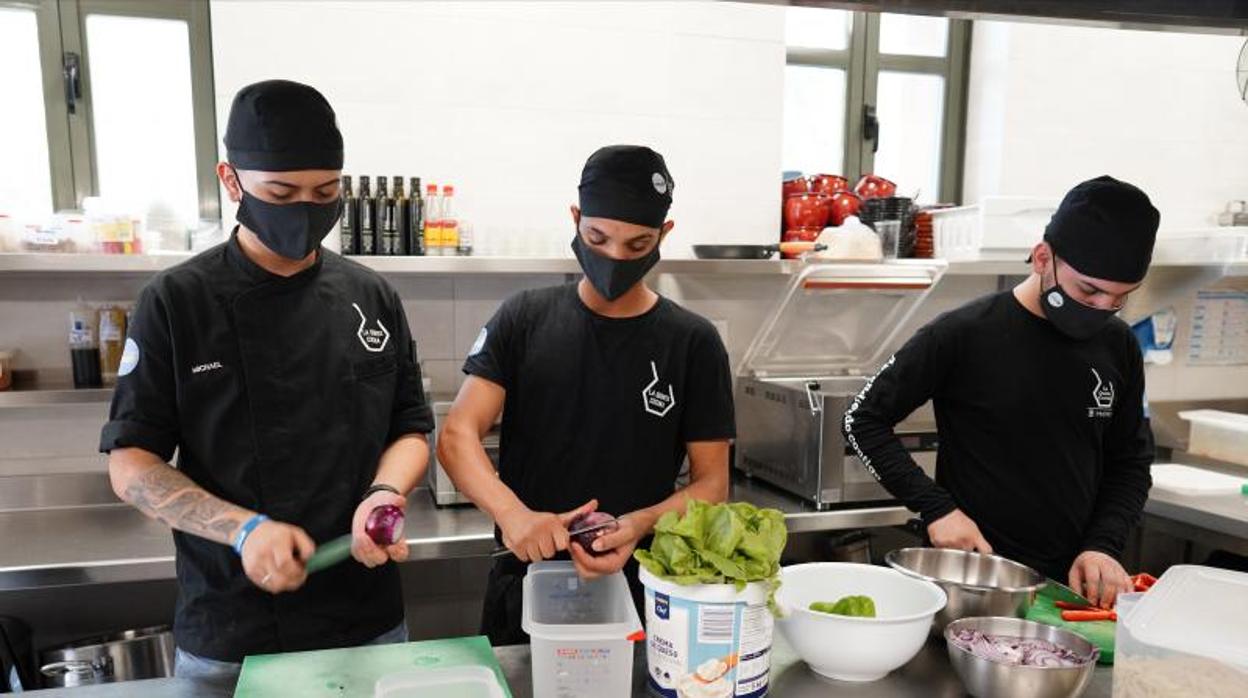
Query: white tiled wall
column 1049, row 106
column 507, row 99
column 1052, row 105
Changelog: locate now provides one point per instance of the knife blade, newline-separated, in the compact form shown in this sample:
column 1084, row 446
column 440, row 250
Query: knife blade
column 1057, row 591
column 503, row 551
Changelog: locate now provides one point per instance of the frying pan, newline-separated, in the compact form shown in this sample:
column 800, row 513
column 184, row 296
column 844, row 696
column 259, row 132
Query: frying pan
column 753, row 251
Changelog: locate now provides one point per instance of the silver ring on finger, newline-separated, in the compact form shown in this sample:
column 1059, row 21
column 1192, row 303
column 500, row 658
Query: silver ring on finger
column 265, row 580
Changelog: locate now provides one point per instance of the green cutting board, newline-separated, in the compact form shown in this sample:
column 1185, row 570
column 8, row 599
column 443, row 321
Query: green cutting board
column 1098, row 632
column 351, row 672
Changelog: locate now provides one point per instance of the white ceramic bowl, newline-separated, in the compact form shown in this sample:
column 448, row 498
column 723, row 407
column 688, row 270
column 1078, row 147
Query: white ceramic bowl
column 856, row 649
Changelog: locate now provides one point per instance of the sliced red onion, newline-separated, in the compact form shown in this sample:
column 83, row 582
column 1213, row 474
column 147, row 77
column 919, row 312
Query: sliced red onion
column 1017, row 650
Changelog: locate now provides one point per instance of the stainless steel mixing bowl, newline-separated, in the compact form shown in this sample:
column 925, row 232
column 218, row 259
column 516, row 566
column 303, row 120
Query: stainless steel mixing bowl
column 985, row 678
column 976, row 584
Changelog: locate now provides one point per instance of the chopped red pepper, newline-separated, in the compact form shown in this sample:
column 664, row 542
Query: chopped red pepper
column 1089, row 615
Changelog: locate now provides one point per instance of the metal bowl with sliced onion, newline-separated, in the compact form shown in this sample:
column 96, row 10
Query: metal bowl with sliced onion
column 1019, row 658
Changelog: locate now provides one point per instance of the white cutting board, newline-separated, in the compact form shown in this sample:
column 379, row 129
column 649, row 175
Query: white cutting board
column 1184, row 479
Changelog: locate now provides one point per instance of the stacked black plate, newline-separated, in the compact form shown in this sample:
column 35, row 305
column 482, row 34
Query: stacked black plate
column 893, row 208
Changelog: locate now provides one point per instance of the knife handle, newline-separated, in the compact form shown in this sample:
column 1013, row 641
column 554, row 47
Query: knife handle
column 330, row 554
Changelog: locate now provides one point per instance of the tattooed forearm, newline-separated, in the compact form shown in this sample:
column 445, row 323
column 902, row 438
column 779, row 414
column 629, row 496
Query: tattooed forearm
column 168, row 495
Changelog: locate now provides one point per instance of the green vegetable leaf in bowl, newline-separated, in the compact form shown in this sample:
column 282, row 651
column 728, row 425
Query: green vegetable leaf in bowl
column 855, row 606
column 735, row 543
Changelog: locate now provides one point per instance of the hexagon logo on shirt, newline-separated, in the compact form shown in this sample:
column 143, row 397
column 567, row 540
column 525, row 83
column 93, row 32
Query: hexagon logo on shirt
column 654, row 399
column 1102, row 397
column 374, row 339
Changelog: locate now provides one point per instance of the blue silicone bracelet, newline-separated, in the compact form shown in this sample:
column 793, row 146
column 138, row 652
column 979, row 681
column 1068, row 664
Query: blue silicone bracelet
column 246, row 531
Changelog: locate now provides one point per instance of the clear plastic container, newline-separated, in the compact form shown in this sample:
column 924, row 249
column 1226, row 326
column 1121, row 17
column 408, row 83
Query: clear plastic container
column 997, row 225
column 1218, row 435
column 890, row 237
column 1187, row 636
column 454, row 682
column 582, row 632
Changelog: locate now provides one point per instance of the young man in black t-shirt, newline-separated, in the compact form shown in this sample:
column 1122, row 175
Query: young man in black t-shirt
column 1045, row 444
column 604, row 387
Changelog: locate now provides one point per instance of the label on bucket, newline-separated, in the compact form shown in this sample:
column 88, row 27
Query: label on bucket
column 707, row 650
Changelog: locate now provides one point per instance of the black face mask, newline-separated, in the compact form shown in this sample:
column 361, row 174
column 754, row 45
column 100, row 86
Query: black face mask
column 291, row 230
column 612, row 277
column 1069, row 316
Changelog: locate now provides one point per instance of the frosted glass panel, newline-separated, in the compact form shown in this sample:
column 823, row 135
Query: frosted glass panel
column 142, row 113
column 25, row 179
column 814, row 119
column 913, row 35
column 816, row 27
column 910, row 108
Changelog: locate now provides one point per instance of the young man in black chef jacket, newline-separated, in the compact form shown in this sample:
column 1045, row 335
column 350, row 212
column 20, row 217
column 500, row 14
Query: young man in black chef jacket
column 286, row 379
column 1045, row 444
column 604, row 387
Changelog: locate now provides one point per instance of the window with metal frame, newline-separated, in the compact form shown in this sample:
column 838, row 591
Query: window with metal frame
column 124, row 91
column 883, row 93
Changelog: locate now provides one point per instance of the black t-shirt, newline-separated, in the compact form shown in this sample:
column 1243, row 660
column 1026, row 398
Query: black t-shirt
column 601, row 407
column 279, row 395
column 1044, row 440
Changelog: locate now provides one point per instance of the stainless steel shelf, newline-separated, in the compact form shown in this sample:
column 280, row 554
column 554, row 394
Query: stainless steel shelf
column 146, row 264
column 997, row 266
column 142, row 264
column 46, row 398
column 52, row 263
column 82, row 535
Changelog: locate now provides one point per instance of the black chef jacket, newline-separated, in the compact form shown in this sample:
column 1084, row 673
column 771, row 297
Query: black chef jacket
column 596, row 408
column 279, row 395
column 1044, row 441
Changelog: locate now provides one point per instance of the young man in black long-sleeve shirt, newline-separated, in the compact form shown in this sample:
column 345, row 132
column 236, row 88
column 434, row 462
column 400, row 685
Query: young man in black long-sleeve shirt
column 1045, row 444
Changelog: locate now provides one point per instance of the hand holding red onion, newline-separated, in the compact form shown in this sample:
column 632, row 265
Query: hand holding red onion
column 385, row 525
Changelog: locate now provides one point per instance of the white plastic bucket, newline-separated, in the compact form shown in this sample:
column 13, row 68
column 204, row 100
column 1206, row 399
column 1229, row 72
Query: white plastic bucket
column 707, row 640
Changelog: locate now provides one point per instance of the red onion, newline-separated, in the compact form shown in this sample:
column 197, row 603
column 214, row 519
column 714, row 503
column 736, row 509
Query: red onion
column 1017, row 650
column 587, row 539
column 385, row 524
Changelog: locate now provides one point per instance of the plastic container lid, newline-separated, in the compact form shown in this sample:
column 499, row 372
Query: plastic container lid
column 1217, row 418
column 452, row 682
column 559, row 605
column 1195, row 610
column 838, row 318
column 1194, row 481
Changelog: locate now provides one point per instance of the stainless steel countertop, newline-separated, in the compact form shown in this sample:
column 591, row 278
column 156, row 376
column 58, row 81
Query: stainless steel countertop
column 99, row 543
column 1216, row 520
column 1223, row 513
column 929, row 675
column 90, row 542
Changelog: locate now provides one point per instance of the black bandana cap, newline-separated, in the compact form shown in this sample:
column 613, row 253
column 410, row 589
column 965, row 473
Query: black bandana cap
column 1105, row 229
column 627, row 183
column 279, row 126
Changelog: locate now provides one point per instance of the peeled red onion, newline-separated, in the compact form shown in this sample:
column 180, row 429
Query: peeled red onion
column 587, row 539
column 385, row 524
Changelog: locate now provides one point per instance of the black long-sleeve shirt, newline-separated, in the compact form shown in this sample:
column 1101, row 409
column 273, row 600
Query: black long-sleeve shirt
column 1044, row 440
